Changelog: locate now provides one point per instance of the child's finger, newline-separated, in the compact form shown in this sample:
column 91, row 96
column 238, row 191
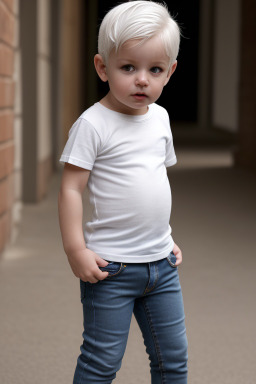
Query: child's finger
column 101, row 262
column 178, row 262
column 178, row 259
column 101, row 275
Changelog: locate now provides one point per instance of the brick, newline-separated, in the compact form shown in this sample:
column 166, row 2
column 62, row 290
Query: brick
column 6, row 93
column 5, row 229
column 6, row 125
column 7, row 25
column 6, row 194
column 6, row 60
column 9, row 4
column 6, row 159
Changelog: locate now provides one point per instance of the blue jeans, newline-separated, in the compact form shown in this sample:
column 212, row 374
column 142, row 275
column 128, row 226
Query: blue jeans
column 152, row 292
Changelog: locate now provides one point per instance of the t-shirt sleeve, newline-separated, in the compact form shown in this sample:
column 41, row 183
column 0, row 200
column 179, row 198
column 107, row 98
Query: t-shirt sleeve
column 82, row 146
column 170, row 158
column 170, row 154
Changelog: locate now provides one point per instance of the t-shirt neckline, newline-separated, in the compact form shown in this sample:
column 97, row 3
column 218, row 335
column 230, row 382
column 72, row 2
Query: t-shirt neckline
column 132, row 118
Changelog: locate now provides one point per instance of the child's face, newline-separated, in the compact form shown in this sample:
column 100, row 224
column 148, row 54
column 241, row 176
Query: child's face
column 136, row 75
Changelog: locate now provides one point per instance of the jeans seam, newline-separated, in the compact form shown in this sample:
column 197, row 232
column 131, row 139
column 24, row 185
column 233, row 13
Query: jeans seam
column 114, row 274
column 157, row 346
column 151, row 289
column 85, row 364
column 170, row 262
column 119, row 270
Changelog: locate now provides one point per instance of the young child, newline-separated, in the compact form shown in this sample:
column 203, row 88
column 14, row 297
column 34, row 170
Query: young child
column 120, row 147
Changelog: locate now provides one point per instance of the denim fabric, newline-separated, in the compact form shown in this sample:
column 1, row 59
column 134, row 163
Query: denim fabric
column 152, row 292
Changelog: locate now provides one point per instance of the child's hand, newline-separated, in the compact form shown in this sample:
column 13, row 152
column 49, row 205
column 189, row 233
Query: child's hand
column 84, row 265
column 178, row 254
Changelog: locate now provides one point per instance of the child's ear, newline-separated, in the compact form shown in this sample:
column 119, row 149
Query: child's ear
column 171, row 70
column 100, row 67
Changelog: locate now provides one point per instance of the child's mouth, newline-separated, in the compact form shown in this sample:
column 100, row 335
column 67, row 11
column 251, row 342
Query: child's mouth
column 139, row 96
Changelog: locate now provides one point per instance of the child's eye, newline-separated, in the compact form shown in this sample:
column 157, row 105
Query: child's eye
column 128, row 67
column 156, row 70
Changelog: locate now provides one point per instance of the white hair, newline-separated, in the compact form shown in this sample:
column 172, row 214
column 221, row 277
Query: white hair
column 138, row 20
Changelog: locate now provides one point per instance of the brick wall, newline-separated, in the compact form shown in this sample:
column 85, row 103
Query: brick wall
column 8, row 23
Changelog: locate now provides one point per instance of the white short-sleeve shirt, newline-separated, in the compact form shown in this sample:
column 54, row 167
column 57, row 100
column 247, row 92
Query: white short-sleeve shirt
column 128, row 184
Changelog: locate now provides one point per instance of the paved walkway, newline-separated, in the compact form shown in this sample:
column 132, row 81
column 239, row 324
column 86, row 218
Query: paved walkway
column 214, row 221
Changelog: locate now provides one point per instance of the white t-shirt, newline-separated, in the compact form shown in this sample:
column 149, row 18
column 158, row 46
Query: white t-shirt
column 128, row 184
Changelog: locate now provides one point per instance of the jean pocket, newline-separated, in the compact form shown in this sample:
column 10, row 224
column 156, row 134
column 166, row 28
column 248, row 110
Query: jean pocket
column 171, row 258
column 113, row 269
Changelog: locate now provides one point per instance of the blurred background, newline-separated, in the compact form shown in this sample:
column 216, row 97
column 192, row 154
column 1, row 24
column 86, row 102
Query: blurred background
column 47, row 80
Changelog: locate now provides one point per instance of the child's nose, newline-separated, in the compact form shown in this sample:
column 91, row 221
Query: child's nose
column 142, row 78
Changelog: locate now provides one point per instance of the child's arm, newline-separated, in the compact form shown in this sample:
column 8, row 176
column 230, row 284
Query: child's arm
column 84, row 262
